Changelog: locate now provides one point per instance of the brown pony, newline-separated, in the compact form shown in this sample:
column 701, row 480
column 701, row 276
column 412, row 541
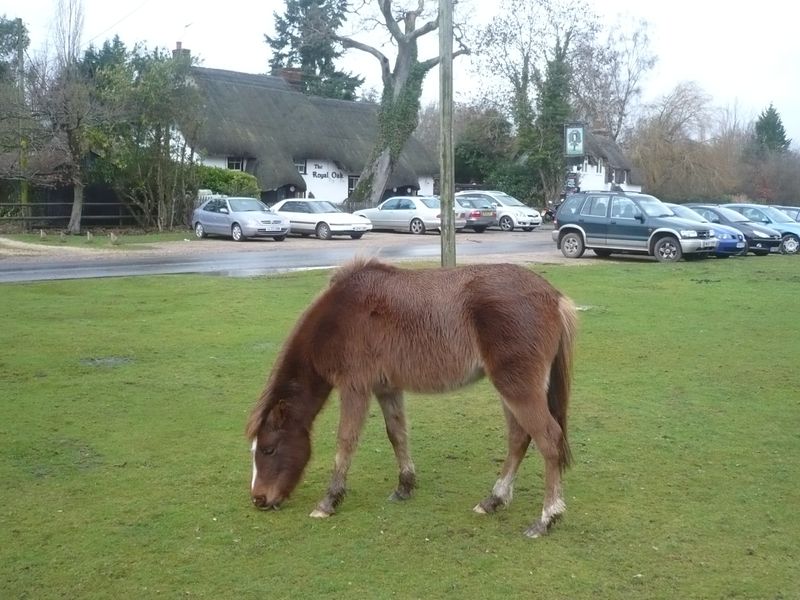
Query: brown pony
column 380, row 330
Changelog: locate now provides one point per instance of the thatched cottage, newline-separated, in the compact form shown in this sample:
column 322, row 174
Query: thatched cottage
column 294, row 144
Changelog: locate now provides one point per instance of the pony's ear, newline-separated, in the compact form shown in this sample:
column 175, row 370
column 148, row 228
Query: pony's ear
column 278, row 413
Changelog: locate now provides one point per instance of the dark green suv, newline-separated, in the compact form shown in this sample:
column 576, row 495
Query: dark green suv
column 608, row 222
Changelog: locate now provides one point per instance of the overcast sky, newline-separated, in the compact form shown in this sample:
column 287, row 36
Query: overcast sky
column 744, row 55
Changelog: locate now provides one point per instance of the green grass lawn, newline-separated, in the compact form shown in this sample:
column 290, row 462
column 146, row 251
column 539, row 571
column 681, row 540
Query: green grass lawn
column 125, row 472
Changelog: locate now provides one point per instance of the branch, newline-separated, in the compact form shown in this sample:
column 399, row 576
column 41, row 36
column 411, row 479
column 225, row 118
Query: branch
column 350, row 43
column 391, row 23
column 427, row 65
column 427, row 28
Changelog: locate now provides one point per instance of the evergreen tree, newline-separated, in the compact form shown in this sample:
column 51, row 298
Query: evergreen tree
column 770, row 136
column 305, row 39
column 545, row 143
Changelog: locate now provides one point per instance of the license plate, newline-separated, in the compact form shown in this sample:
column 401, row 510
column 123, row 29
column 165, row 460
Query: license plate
column 740, row 244
column 486, row 213
column 709, row 244
column 359, row 228
column 272, row 227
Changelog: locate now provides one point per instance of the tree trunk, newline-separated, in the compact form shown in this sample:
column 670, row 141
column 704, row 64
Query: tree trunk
column 74, row 227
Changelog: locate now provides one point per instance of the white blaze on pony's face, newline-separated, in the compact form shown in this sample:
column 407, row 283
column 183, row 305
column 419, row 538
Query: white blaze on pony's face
column 255, row 468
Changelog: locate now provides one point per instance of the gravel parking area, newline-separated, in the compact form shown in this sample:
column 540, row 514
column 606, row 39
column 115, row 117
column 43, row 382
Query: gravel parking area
column 522, row 247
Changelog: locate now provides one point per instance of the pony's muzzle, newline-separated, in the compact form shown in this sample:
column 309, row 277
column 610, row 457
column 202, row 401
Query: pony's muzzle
column 261, row 503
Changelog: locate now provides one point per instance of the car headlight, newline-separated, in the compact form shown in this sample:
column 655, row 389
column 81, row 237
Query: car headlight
column 760, row 234
column 724, row 236
column 688, row 233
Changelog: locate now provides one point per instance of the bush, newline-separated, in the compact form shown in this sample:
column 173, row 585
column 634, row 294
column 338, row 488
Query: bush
column 227, row 181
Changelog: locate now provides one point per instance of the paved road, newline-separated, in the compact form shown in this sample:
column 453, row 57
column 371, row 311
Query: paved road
column 254, row 257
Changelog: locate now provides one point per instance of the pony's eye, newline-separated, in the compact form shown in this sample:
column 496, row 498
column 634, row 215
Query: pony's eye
column 268, row 451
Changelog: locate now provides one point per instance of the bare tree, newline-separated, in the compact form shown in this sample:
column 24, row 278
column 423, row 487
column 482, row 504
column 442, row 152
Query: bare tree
column 68, row 31
column 607, row 77
column 402, row 88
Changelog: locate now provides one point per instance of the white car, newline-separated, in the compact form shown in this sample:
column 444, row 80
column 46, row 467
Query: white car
column 511, row 213
column 416, row 214
column 321, row 218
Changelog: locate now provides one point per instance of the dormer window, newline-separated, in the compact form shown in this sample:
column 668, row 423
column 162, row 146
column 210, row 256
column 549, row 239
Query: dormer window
column 301, row 165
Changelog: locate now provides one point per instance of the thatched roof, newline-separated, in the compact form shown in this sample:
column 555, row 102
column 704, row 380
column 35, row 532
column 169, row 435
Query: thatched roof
column 599, row 145
column 262, row 117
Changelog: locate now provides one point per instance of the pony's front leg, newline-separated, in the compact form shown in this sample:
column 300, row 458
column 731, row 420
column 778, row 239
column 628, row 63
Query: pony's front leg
column 353, row 412
column 393, row 407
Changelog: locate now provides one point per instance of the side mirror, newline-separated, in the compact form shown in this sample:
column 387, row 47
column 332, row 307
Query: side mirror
column 224, row 211
column 639, row 216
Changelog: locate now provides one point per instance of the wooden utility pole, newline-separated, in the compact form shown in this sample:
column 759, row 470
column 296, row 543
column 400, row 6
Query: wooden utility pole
column 24, row 197
column 446, row 160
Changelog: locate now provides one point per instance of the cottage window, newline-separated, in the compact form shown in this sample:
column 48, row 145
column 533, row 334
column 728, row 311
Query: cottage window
column 301, row 165
column 352, row 182
column 236, row 163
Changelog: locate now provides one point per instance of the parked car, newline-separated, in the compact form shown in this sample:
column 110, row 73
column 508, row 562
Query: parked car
column 321, row 218
column 479, row 212
column 511, row 213
column 610, row 222
column 730, row 241
column 759, row 239
column 792, row 211
column 238, row 218
column 416, row 214
column 772, row 217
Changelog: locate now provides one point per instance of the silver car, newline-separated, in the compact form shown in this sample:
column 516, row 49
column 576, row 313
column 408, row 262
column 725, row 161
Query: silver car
column 238, row 218
column 416, row 214
column 511, row 213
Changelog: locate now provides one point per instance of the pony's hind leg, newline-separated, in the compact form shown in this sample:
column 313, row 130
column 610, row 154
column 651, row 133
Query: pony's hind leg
column 392, row 405
column 518, row 442
column 353, row 412
column 535, row 417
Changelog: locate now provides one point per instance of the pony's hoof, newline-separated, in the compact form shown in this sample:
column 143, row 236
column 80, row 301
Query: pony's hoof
column 399, row 496
column 319, row 514
column 536, row 530
column 489, row 505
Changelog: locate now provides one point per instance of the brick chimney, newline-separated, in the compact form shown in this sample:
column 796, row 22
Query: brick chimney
column 181, row 51
column 291, row 75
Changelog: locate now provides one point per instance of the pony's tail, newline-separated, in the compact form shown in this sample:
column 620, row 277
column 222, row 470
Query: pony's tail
column 561, row 376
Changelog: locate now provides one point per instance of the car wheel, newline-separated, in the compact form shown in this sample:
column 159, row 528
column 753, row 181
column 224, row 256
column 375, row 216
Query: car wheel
column 479, row 229
column 506, row 223
column 236, row 233
column 356, row 236
column 324, row 231
column 602, row 252
column 199, row 230
column 417, row 227
column 668, row 249
column 279, row 238
column 790, row 244
column 572, row 245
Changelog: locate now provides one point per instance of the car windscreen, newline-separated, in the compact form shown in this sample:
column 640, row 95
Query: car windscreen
column 687, row 213
column 321, row 206
column 777, row 215
column 507, row 200
column 246, row 205
column 731, row 215
column 653, row 207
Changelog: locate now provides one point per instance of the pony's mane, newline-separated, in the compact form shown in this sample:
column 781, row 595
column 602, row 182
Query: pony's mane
column 359, row 264
column 270, row 395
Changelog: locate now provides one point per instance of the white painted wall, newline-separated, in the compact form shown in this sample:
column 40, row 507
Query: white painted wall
column 323, row 178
